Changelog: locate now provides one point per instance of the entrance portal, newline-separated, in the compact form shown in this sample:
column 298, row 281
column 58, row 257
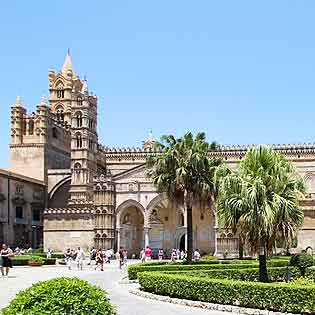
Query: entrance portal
column 182, row 243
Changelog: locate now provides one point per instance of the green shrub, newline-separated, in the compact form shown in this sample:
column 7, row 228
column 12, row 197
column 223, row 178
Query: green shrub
column 61, row 296
column 24, row 259
column 133, row 270
column 302, row 261
column 208, row 257
column 36, row 259
column 284, row 297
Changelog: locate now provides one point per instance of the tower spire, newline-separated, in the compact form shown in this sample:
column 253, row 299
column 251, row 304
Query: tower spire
column 67, row 65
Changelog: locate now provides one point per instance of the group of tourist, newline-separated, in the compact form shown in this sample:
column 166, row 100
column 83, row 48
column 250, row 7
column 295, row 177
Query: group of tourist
column 6, row 254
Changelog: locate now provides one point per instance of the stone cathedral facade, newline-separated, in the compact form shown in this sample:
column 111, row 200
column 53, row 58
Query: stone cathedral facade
column 100, row 196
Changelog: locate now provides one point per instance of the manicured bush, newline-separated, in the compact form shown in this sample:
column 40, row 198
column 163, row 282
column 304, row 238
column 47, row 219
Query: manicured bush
column 61, row 296
column 24, row 259
column 36, row 259
column 133, row 270
column 284, row 297
column 276, row 274
column 302, row 261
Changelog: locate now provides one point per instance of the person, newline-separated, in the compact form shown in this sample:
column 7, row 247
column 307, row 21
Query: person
column 6, row 253
column 17, row 251
column 80, row 256
column 121, row 257
column 99, row 260
column 177, row 254
column 182, row 255
column 148, row 254
column 68, row 258
column 125, row 254
column 197, row 255
column 173, row 255
column 49, row 252
column 92, row 255
column 161, row 254
column 142, row 256
column 108, row 255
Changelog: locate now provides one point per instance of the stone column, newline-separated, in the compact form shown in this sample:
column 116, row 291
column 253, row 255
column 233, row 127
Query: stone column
column 146, row 237
column 118, row 237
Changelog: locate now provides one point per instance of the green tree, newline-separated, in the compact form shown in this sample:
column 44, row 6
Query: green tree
column 260, row 202
column 185, row 171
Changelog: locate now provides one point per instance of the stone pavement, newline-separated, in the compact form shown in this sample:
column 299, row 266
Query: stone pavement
column 127, row 303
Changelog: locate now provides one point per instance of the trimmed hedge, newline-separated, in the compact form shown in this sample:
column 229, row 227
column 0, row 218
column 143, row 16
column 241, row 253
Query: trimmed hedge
column 61, row 296
column 23, row 260
column 282, row 297
column 276, row 274
column 133, row 270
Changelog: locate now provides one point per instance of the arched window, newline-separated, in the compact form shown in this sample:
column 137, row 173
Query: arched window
column 60, row 92
column 79, row 99
column 31, row 127
column 60, row 115
column 182, row 220
column 79, row 140
column 77, row 166
column 91, row 123
column 79, row 119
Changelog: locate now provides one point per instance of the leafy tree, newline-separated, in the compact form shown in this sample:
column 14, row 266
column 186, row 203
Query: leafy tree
column 260, row 202
column 185, row 171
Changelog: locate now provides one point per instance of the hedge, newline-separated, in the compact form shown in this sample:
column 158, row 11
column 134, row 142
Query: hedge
column 283, row 297
column 133, row 270
column 23, row 260
column 61, row 296
column 276, row 274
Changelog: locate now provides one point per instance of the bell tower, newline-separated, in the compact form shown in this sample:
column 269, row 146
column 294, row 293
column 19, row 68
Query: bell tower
column 83, row 144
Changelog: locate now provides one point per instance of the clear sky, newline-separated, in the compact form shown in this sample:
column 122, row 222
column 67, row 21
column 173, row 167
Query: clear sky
column 242, row 71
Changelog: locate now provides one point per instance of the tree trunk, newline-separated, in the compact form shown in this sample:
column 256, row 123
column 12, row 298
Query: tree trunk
column 189, row 234
column 240, row 249
column 263, row 273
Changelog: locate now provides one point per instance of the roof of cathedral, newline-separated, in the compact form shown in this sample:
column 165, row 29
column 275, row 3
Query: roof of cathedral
column 67, row 65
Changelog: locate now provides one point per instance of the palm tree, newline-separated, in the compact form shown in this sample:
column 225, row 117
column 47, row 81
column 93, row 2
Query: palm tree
column 260, row 202
column 184, row 170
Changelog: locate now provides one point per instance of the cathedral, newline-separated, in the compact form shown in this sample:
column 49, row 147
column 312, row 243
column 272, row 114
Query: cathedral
column 98, row 196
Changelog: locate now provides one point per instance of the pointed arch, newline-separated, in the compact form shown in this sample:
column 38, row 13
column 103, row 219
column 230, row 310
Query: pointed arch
column 126, row 204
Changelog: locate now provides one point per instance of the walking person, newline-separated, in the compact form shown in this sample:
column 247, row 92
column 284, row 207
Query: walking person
column 68, row 258
column 160, row 254
column 121, row 257
column 148, row 254
column 108, row 255
column 99, row 260
column 125, row 254
column 173, row 255
column 6, row 263
column 80, row 256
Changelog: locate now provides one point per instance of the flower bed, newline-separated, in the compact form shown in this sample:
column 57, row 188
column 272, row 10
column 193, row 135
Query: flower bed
column 284, row 297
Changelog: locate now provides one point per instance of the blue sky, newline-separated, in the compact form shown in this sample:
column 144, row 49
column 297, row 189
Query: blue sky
column 242, row 71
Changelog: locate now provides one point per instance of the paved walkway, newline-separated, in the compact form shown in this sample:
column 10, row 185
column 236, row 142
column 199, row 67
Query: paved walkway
column 127, row 304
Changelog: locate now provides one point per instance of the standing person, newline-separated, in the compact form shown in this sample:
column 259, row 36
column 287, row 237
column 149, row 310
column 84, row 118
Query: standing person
column 173, row 255
column 142, row 256
column 177, row 254
column 6, row 254
column 108, row 255
column 68, row 258
column 161, row 254
column 49, row 252
column 125, row 254
column 80, row 256
column 196, row 255
column 148, row 253
column 121, row 257
column 99, row 260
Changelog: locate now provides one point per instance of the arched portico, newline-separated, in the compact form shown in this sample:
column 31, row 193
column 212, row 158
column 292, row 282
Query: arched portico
column 130, row 226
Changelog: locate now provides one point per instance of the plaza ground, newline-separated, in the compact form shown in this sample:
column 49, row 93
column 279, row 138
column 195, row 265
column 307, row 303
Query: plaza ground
column 110, row 280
